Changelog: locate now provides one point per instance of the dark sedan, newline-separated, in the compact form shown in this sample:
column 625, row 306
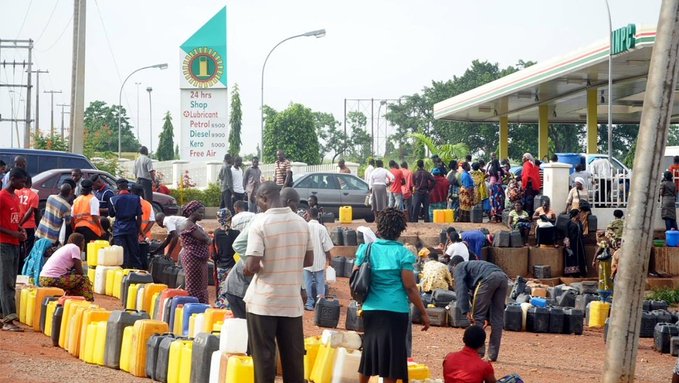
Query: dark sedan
column 48, row 182
column 334, row 190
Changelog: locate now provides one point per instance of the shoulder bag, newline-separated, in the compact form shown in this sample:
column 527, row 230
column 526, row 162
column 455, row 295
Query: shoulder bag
column 359, row 282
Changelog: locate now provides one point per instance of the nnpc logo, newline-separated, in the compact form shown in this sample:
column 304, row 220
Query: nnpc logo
column 203, row 67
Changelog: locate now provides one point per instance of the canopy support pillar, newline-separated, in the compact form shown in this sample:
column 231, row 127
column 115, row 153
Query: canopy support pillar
column 543, row 131
column 592, row 121
column 504, row 138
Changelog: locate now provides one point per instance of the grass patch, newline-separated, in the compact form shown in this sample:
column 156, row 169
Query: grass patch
column 668, row 295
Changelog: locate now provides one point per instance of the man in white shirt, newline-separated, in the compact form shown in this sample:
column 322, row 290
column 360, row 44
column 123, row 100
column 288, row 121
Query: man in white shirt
column 237, row 178
column 457, row 247
column 279, row 247
column 603, row 173
column 377, row 182
column 173, row 224
column 243, row 216
column 582, row 173
column 314, row 276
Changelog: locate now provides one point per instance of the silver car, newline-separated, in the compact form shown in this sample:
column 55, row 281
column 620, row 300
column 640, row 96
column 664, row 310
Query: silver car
column 334, row 190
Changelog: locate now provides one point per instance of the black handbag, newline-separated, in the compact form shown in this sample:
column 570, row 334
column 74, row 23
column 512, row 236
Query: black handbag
column 359, row 282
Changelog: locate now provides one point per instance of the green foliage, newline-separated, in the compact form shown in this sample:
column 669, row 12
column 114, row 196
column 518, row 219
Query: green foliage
column 414, row 114
column 176, row 152
column 108, row 162
column 50, row 142
column 665, row 294
column 211, row 196
column 164, row 151
column 292, row 130
column 446, row 152
column 355, row 145
column 235, row 122
column 101, row 128
column 332, row 137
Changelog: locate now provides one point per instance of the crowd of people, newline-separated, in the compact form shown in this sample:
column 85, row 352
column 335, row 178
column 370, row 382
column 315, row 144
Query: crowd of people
column 461, row 185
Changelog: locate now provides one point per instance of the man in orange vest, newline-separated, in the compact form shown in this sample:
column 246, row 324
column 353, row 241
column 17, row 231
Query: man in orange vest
column 148, row 219
column 85, row 213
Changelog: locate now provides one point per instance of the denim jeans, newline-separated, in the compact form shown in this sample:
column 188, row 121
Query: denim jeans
column 312, row 278
column 670, row 224
column 396, row 200
column 9, row 257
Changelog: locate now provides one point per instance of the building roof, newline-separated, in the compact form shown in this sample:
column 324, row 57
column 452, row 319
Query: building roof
column 562, row 84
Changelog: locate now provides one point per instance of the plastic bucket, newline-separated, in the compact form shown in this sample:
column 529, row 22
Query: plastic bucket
column 672, row 238
column 572, row 159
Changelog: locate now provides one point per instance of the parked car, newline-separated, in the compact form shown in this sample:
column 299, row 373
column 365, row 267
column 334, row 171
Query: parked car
column 334, row 190
column 43, row 160
column 48, row 182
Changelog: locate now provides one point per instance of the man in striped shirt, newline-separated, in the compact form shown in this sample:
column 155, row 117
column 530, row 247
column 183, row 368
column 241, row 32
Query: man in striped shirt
column 279, row 247
column 57, row 210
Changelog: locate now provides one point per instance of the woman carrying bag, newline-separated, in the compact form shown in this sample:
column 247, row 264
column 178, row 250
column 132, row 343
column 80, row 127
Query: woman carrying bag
column 391, row 283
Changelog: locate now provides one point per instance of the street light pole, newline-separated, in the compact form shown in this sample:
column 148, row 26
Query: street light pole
column 149, row 89
column 610, row 84
column 120, row 99
column 318, row 34
column 138, row 136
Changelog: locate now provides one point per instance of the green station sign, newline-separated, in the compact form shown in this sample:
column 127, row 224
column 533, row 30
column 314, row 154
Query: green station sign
column 623, row 39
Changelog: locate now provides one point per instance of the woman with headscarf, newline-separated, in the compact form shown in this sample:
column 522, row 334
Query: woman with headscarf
column 195, row 251
column 223, row 252
column 466, row 193
column 438, row 196
column 668, row 196
column 574, row 251
column 577, row 196
column 497, row 193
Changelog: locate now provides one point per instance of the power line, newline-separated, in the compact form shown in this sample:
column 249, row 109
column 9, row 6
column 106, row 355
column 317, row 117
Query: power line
column 68, row 24
column 108, row 42
column 49, row 20
column 24, row 22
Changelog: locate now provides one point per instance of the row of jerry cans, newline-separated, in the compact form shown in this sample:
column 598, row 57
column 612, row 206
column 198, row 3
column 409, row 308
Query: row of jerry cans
column 334, row 357
column 556, row 320
column 101, row 253
column 29, row 302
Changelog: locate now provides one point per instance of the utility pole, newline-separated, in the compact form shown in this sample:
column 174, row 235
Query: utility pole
column 37, row 96
column 623, row 330
column 51, row 93
column 28, row 45
column 149, row 89
column 78, row 76
column 62, row 118
column 138, row 136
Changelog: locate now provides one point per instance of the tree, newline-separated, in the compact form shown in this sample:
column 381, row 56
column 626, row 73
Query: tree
column 292, row 130
column 446, row 152
column 235, row 122
column 331, row 137
column 165, row 149
column 49, row 142
column 101, row 127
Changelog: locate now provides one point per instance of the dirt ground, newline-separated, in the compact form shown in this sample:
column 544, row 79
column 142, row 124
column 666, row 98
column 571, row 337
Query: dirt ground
column 542, row 358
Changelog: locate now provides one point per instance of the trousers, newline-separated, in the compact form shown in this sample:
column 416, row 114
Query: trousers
column 147, row 185
column 420, row 201
column 9, row 257
column 489, row 304
column 131, row 258
column 263, row 334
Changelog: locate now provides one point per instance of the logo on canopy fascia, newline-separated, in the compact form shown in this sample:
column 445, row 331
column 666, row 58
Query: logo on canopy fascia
column 623, row 39
column 203, row 67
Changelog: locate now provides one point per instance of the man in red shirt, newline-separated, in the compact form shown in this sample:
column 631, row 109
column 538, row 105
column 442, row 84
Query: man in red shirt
column 466, row 366
column 28, row 213
column 395, row 193
column 407, row 189
column 11, row 234
column 530, row 182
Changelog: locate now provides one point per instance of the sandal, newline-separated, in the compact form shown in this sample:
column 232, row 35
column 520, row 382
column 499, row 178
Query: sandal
column 12, row 327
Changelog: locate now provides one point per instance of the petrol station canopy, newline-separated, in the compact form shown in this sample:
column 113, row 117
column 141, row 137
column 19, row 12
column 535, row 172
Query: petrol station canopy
column 569, row 89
